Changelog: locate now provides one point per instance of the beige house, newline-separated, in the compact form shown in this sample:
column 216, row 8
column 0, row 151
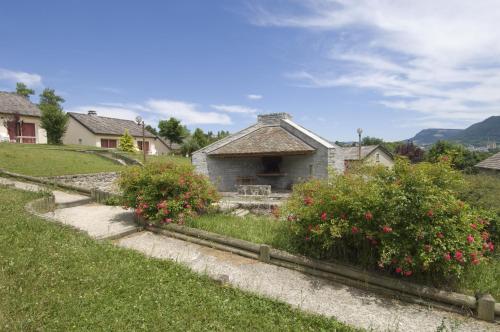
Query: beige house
column 374, row 154
column 104, row 132
column 20, row 120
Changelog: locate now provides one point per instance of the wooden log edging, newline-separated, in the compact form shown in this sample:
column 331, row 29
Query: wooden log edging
column 345, row 274
column 81, row 190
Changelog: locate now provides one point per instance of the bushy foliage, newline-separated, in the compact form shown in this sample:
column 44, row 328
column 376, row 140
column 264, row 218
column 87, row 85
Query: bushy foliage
column 54, row 120
column 406, row 220
column 460, row 158
column 410, row 151
column 126, row 142
column 166, row 192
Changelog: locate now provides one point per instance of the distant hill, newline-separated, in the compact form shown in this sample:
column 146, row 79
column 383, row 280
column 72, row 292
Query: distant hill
column 477, row 134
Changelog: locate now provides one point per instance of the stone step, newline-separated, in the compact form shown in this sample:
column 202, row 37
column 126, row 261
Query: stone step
column 240, row 212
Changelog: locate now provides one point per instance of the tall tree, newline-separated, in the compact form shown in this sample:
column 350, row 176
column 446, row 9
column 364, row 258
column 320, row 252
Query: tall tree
column 54, row 120
column 23, row 90
column 173, row 131
column 152, row 130
column 411, row 151
column 126, row 142
column 368, row 140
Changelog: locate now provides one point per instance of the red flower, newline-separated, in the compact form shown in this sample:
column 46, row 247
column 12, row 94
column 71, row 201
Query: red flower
column 458, row 255
column 145, row 206
column 485, row 235
column 387, row 229
column 440, row 235
column 308, row 201
column 161, row 205
column 354, row 230
column 408, row 273
column 475, row 261
column 430, row 213
column 165, row 211
column 168, row 220
column 473, row 226
column 447, row 256
column 470, row 238
column 368, row 216
column 324, row 216
column 491, row 246
column 398, row 270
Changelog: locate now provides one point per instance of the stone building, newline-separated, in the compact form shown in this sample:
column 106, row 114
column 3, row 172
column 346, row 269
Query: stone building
column 490, row 165
column 275, row 151
column 373, row 154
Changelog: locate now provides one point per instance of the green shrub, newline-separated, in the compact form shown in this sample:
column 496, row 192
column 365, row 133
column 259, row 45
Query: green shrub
column 126, row 142
column 406, row 220
column 166, row 192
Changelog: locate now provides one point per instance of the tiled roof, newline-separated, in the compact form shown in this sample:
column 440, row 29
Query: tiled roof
column 109, row 126
column 492, row 162
column 12, row 103
column 352, row 153
column 264, row 141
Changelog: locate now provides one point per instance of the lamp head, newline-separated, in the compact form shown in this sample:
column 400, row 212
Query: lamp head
column 138, row 119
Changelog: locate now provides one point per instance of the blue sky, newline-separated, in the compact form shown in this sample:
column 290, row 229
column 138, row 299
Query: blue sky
column 389, row 67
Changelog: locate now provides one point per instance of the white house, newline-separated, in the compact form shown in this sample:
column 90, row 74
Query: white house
column 20, row 120
column 93, row 130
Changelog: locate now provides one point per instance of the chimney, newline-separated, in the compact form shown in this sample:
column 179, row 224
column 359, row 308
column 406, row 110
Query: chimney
column 92, row 112
column 273, row 118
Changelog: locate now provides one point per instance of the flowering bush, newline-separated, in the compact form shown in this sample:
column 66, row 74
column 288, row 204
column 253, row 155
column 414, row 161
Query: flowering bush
column 406, row 220
column 166, row 192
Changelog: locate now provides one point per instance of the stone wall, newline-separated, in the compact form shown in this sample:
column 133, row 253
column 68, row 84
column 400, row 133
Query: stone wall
column 102, row 181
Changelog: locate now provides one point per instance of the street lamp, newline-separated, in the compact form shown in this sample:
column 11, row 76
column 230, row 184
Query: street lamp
column 360, row 131
column 140, row 122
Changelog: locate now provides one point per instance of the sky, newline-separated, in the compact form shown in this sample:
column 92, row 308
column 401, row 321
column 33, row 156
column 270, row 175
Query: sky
column 389, row 67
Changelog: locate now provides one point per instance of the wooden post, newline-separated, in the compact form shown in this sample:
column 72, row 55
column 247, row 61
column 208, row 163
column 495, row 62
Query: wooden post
column 486, row 308
column 264, row 253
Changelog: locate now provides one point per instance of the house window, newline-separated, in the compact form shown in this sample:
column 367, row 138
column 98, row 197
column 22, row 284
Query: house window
column 146, row 145
column 377, row 157
column 108, row 143
column 311, row 170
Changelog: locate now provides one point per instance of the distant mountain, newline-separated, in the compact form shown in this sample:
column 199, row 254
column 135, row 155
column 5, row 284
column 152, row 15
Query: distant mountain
column 478, row 134
column 431, row 136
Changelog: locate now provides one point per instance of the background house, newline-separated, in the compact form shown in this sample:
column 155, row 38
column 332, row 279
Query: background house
column 374, row 154
column 93, row 130
column 20, row 120
column 490, row 165
column 275, row 151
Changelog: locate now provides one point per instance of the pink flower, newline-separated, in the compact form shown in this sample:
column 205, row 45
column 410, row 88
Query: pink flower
column 440, row 235
column 475, row 261
column 473, row 226
column 408, row 273
column 470, row 238
column 145, row 206
column 398, row 270
column 458, row 255
column 485, row 235
column 324, row 216
column 168, row 220
column 387, row 229
column 308, row 201
column 354, row 230
column 138, row 211
column 491, row 246
column 447, row 256
column 368, row 216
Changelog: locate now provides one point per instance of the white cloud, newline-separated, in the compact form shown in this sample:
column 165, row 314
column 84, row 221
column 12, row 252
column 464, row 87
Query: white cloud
column 254, row 96
column 154, row 110
column 18, row 76
column 439, row 58
column 235, row 109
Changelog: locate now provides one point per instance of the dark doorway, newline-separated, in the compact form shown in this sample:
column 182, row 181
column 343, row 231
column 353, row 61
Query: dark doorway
column 271, row 164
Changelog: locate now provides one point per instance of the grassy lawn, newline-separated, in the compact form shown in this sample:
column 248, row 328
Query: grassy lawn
column 54, row 278
column 46, row 160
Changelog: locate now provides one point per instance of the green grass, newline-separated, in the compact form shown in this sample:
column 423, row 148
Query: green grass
column 46, row 160
column 255, row 229
column 55, row 278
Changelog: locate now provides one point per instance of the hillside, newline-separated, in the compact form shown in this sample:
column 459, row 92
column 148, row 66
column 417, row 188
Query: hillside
column 477, row 134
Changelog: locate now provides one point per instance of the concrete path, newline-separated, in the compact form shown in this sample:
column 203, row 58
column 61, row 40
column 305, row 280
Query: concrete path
column 349, row 305
column 99, row 221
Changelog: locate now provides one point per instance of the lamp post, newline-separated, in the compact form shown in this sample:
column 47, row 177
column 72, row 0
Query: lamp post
column 360, row 131
column 140, row 122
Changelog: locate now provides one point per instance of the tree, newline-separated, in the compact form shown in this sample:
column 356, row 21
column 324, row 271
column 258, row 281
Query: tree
column 411, row 151
column 126, row 142
column 173, row 131
column 367, row 140
column 54, row 120
column 152, row 130
column 459, row 157
column 22, row 90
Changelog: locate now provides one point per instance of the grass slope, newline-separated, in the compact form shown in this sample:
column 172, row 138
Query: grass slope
column 46, row 160
column 54, row 278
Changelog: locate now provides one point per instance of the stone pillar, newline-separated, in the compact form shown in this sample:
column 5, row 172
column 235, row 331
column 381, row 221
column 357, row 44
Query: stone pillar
column 264, row 253
column 486, row 308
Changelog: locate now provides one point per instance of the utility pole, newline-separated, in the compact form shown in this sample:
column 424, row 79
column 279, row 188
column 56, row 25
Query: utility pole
column 360, row 131
column 140, row 122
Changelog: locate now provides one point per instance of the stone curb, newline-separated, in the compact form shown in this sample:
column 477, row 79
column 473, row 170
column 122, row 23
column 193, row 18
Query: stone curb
column 345, row 274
